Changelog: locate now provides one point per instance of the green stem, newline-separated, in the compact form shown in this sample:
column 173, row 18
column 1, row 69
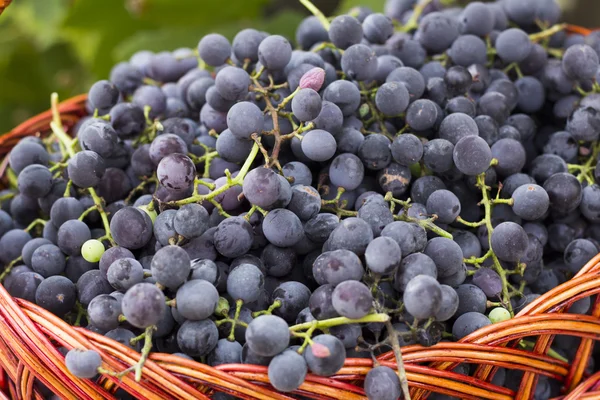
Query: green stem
column 9, row 267
column 238, row 180
column 329, row 323
column 413, row 22
column 547, row 32
column 57, row 127
column 103, row 216
column 35, row 223
column 316, row 12
column 393, row 335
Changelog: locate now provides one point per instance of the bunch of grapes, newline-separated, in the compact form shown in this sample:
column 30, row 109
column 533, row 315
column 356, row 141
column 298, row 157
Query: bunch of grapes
column 388, row 179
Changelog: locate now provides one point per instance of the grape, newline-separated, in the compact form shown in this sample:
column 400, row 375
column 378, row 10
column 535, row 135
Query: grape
column 171, row 266
column 467, row 50
column 278, row 261
column 343, row 94
column 30, row 247
column 437, row 31
column 392, row 98
column 531, row 94
column 472, row 155
column 27, row 153
column 293, row 298
column 499, row 314
column 47, row 260
column 326, row 355
column 103, row 311
column 359, row 63
column 287, row 371
column 102, row 96
column 245, row 283
column 98, row 137
column 510, row 155
column 126, row 77
column 477, row 18
column 267, row 335
column 471, row 298
column 513, row 45
column 382, row 383
column 274, row 52
column 531, row 202
column 319, row 227
column 151, row 96
column 564, row 191
column 306, row 105
column 111, row 255
column 91, row 284
column 300, row 173
column 143, row 305
column 469, row 323
column 309, row 32
column 422, row 297
column 330, row 118
column 383, row 255
column 580, row 62
column 353, row 234
column 489, row 281
column 337, row 266
column 345, row 31
column 23, row 209
column 225, row 352
column 245, row 44
column 446, row 254
column 262, row 187
column 92, row 250
column 232, row 83
column 578, row 253
column 123, row 273
column 56, row 294
column 83, row 364
column 72, row 235
column 197, row 338
column 347, row 171
column 375, row 152
column 352, row 299
column 458, row 80
column 444, row 204
column 244, row 119
column 407, row 149
column 131, row 228
column 509, row 241
column 214, row 49
column 318, row 145
column 196, row 300
column 233, row 237
column 438, row 154
column 321, row 303
column 546, row 165
column 206, row 270
column 86, row 168
column 377, row 28
column 35, row 181
column 305, row 203
column 583, row 124
column 23, row 285
column 562, row 144
column 449, row 304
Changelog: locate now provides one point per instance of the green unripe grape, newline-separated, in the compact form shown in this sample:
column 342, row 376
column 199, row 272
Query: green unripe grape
column 150, row 211
column 499, row 314
column 92, row 250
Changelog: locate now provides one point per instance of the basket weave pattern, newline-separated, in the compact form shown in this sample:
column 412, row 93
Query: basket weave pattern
column 30, row 337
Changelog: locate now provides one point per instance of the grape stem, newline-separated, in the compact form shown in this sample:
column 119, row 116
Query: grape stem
column 393, row 337
column 276, row 304
column 238, row 309
column 137, row 367
column 487, row 221
column 534, row 37
column 331, row 322
column 317, row 13
column 35, row 223
column 9, row 267
column 98, row 204
column 238, row 180
column 413, row 22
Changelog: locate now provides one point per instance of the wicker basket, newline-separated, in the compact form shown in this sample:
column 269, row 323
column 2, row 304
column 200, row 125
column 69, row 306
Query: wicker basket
column 30, row 337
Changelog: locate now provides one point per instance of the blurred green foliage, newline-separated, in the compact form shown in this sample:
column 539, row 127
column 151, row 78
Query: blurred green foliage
column 66, row 45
